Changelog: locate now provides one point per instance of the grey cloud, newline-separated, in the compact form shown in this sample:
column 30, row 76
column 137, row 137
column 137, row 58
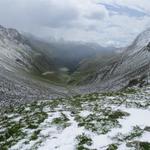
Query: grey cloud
column 25, row 12
column 82, row 20
column 125, row 10
column 97, row 15
column 50, row 15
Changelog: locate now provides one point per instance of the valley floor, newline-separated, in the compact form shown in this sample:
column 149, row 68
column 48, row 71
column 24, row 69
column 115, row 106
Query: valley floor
column 98, row 121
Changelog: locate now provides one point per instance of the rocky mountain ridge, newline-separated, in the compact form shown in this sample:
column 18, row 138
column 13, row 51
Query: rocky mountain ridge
column 17, row 84
column 132, row 67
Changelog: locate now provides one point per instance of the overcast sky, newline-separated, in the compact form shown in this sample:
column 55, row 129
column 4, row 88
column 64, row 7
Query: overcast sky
column 107, row 22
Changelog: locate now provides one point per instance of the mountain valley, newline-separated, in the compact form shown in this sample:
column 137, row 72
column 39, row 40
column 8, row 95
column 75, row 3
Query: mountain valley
column 96, row 96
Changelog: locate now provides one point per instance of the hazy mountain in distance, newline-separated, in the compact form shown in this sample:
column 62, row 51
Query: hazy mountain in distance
column 87, row 69
column 68, row 54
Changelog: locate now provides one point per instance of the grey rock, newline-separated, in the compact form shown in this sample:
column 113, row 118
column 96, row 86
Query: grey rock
column 17, row 85
column 133, row 65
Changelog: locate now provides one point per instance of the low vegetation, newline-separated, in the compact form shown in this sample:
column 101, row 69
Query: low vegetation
column 85, row 117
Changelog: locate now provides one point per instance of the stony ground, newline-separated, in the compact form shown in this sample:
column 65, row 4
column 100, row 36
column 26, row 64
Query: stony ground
column 98, row 121
column 19, row 87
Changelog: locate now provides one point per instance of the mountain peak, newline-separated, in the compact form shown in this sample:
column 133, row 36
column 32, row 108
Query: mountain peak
column 141, row 41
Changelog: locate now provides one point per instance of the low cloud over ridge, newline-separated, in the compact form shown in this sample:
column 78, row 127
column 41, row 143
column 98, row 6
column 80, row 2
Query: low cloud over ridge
column 108, row 22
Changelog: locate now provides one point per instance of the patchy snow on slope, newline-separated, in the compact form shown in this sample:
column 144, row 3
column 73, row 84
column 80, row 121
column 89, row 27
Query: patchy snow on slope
column 94, row 121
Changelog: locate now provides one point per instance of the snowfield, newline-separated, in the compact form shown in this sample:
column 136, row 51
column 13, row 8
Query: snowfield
column 98, row 121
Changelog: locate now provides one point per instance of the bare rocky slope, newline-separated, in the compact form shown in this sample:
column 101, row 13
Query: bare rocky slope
column 131, row 68
column 17, row 84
